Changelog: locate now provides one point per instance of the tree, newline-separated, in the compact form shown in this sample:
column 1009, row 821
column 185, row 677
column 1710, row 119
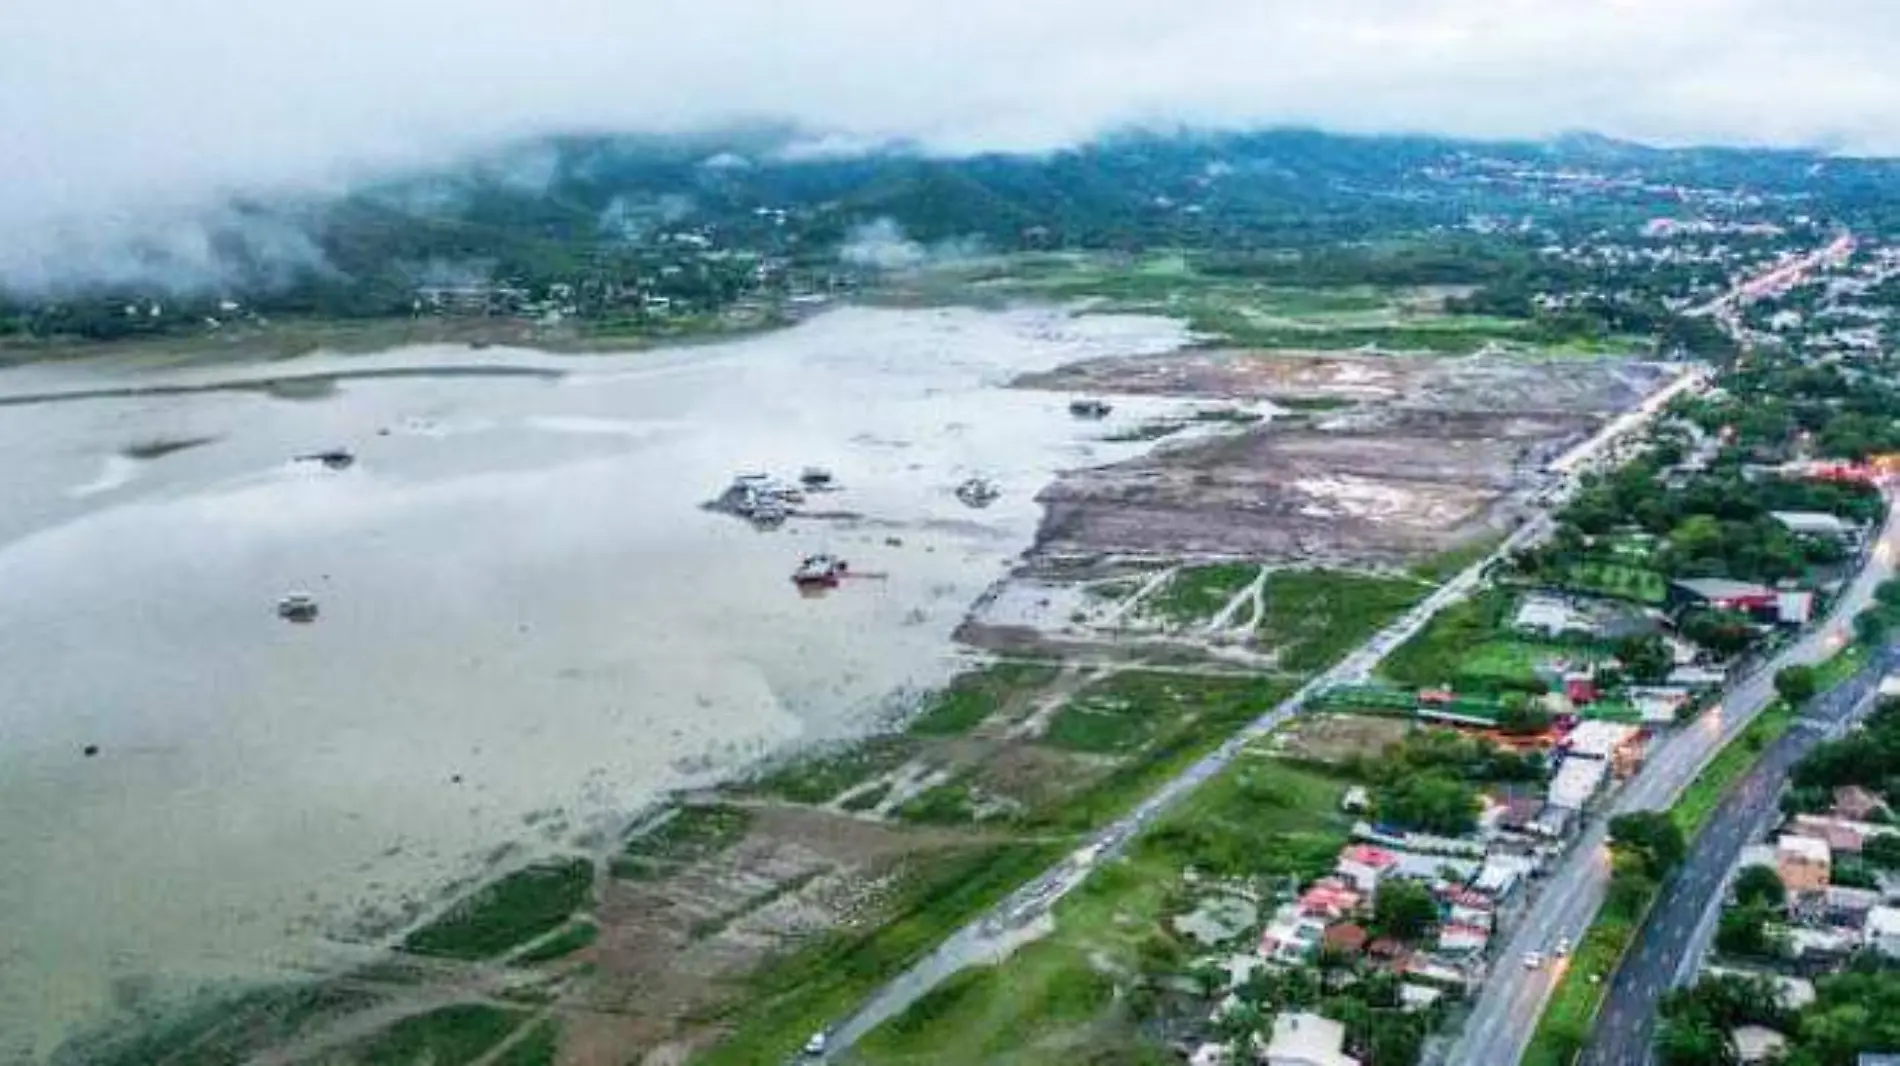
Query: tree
column 1760, row 884
column 1796, row 684
column 1651, row 838
column 1521, row 716
column 1693, row 1041
column 1881, row 851
column 1722, row 632
column 1873, row 623
column 1645, row 658
column 1431, row 802
column 1405, row 911
column 1743, row 930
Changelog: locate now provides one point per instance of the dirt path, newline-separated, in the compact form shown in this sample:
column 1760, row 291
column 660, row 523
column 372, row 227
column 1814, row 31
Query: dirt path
column 1121, row 610
column 1253, row 595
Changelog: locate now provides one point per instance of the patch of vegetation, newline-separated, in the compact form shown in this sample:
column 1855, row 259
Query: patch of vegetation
column 1313, row 403
column 866, row 799
column 1645, row 846
column 977, row 694
column 451, row 1036
column 1128, row 711
column 525, row 904
column 1617, row 581
column 1146, row 431
column 1229, row 415
column 1204, row 711
column 1704, row 794
column 1197, row 593
column 693, row 834
column 537, row 1048
column 1083, row 993
column 816, row 778
column 1314, row 617
column 218, row 1030
column 559, row 946
column 793, row 996
column 1450, row 563
column 951, row 803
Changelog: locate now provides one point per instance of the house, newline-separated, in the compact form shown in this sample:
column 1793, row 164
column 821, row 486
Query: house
column 1414, row 997
column 1575, row 782
column 1882, row 931
column 1345, row 938
column 1305, row 1039
column 1855, row 802
column 1517, row 814
column 1759, row 601
column 1816, row 524
column 1581, row 689
column 1802, row 863
column 1455, row 939
column 1756, row 1043
column 1465, row 906
column 1329, row 899
column 1362, row 865
column 1620, row 745
column 1840, row 835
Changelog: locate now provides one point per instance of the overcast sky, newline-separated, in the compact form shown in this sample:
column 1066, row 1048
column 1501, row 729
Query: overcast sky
column 110, row 108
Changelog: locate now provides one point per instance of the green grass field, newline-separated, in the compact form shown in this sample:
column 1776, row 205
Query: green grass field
column 525, row 904
column 793, row 996
column 1314, row 617
column 1197, row 593
column 451, row 1036
column 977, row 694
column 1054, row 1002
column 1633, row 583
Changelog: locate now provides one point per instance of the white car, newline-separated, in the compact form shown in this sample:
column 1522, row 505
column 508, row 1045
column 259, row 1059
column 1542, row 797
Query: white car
column 816, row 1046
column 1533, row 959
column 1563, row 947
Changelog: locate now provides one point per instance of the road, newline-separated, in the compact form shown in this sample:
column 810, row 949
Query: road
column 1677, row 931
column 1511, row 1001
column 993, row 935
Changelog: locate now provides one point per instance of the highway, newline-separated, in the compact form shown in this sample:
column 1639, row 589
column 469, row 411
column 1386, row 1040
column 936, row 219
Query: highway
column 992, row 936
column 1512, row 999
column 1673, row 939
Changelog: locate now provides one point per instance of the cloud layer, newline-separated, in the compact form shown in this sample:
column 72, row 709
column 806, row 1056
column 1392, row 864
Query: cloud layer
column 113, row 112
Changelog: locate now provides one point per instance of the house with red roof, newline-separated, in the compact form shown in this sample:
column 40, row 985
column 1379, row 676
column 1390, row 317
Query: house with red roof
column 1363, row 866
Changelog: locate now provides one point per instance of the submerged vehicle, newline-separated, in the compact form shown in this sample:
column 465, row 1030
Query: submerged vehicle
column 978, row 492
column 815, row 477
column 1089, row 408
column 297, row 607
column 820, row 571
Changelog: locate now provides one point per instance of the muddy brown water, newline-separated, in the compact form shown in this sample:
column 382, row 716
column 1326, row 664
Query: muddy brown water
column 529, row 627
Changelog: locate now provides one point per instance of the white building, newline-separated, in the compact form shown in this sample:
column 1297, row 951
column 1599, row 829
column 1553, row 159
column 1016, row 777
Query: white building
column 1756, row 1043
column 1302, row 1039
column 1576, row 781
column 1882, row 931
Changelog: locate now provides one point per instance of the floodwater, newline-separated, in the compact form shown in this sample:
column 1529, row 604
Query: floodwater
column 529, row 626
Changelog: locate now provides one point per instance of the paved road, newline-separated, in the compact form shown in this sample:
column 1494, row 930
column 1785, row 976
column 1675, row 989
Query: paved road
column 993, row 935
column 1510, row 1002
column 1676, row 933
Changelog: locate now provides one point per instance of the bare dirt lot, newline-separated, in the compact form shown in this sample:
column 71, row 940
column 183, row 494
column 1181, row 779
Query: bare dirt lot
column 1430, row 456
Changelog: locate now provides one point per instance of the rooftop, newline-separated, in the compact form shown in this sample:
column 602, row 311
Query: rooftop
column 1309, row 1038
column 1805, row 849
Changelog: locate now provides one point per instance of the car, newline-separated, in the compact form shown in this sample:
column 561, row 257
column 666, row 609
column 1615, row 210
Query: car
column 1563, row 947
column 815, row 1047
column 1533, row 960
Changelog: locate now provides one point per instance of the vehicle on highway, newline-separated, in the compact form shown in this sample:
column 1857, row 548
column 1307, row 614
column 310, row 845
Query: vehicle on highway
column 815, row 1047
column 1563, row 947
column 1533, row 960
